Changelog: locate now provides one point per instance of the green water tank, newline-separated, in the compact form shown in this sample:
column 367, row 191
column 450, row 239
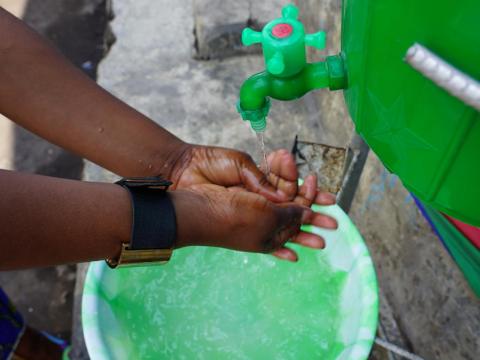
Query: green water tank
column 426, row 136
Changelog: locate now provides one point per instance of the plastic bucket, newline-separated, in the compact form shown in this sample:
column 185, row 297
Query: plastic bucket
column 210, row 303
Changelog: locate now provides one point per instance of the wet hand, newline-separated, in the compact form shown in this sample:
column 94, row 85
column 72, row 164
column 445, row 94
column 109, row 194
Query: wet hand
column 212, row 215
column 282, row 165
column 234, row 169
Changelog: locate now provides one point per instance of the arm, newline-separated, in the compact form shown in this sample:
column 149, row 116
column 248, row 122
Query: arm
column 44, row 93
column 48, row 221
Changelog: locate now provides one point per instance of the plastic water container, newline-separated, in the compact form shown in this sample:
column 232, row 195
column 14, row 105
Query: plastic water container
column 426, row 136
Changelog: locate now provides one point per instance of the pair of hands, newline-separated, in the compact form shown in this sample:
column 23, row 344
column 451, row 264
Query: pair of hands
column 222, row 199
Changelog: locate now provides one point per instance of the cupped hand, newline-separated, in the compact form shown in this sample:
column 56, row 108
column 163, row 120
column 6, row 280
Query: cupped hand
column 234, row 169
column 236, row 172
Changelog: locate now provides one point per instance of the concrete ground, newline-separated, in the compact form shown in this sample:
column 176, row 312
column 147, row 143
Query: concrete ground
column 152, row 67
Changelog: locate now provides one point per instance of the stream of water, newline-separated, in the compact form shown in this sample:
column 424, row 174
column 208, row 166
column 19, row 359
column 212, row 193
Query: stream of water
column 263, row 154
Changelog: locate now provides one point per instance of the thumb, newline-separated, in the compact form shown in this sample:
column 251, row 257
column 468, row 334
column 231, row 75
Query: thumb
column 256, row 181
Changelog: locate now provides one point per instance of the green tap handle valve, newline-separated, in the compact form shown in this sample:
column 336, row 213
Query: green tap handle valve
column 250, row 37
column 288, row 75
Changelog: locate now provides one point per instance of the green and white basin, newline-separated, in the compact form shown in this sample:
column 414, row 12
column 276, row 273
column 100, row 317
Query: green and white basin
column 211, row 303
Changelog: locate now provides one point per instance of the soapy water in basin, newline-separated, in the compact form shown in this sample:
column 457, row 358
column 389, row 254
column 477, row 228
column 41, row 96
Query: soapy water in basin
column 210, row 303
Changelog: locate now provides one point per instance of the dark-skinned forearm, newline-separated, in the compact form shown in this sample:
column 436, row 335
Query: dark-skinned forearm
column 41, row 91
column 48, row 221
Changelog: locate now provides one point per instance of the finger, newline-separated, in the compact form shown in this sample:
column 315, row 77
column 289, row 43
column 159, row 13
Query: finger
column 309, row 240
column 324, row 221
column 286, row 224
column 235, row 188
column 325, row 198
column 283, row 172
column 255, row 181
column 286, row 254
column 282, row 163
column 307, row 192
column 290, row 214
column 274, row 160
column 310, row 188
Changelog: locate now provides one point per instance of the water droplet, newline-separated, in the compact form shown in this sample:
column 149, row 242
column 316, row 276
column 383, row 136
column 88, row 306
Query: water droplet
column 150, row 166
column 100, row 129
column 87, row 65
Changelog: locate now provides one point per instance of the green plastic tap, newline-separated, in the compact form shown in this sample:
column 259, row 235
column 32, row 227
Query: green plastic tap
column 288, row 76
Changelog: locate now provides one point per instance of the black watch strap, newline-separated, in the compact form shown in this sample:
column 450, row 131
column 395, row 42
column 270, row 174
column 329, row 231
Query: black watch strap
column 154, row 221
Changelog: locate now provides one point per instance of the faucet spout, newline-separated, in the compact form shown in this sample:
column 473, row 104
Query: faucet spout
column 256, row 91
column 254, row 103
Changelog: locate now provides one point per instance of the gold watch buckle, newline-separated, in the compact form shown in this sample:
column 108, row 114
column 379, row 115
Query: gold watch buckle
column 131, row 258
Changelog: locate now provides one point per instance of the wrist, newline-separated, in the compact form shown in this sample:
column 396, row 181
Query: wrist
column 189, row 222
column 153, row 229
column 121, row 216
column 170, row 161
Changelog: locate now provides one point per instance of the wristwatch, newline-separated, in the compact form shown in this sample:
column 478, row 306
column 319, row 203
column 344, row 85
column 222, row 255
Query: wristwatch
column 154, row 223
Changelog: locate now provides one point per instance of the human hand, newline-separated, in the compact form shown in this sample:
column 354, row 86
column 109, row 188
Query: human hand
column 282, row 164
column 212, row 215
column 233, row 169
column 283, row 178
